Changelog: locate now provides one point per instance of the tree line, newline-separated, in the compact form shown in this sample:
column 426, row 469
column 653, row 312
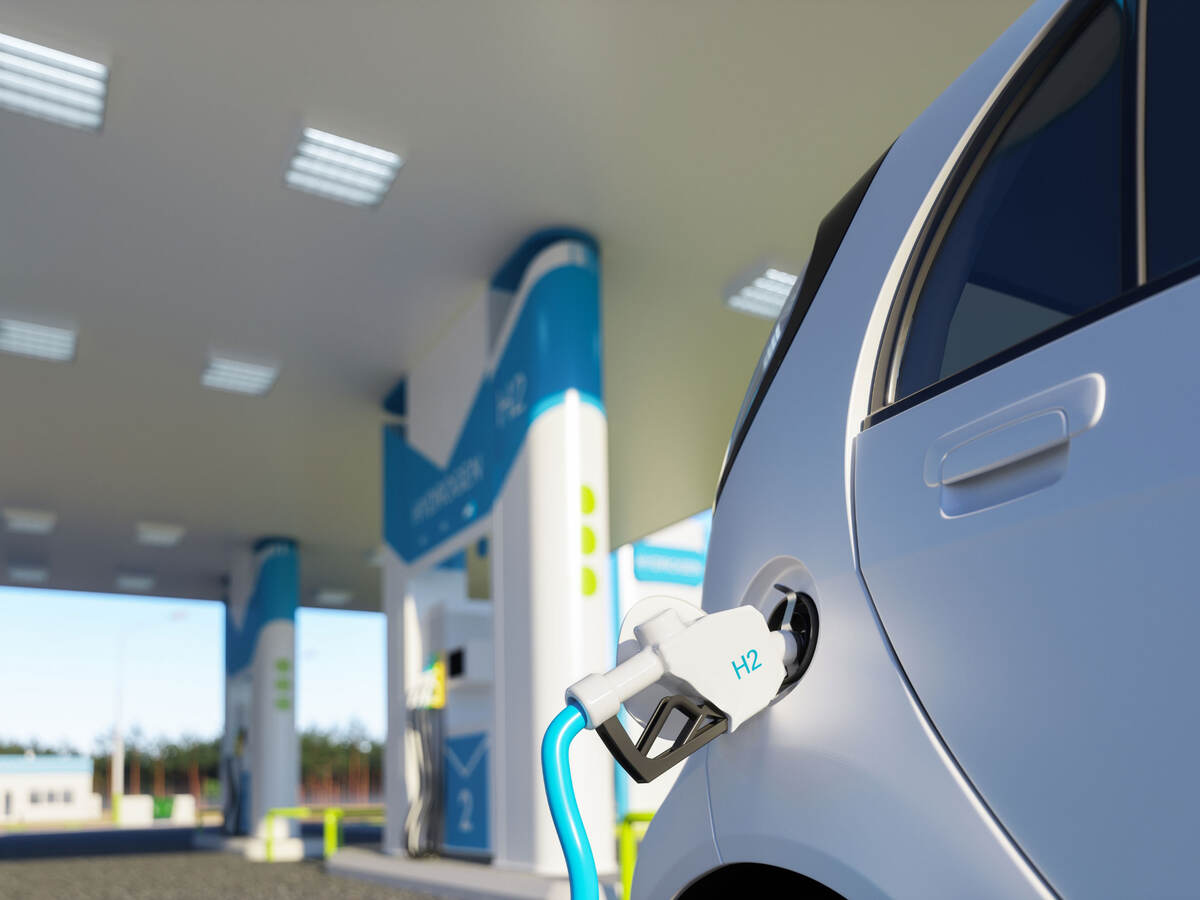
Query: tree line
column 335, row 766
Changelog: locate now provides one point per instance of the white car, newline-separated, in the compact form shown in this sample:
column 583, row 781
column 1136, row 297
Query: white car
column 974, row 442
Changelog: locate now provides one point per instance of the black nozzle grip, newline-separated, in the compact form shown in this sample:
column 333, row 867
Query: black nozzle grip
column 704, row 723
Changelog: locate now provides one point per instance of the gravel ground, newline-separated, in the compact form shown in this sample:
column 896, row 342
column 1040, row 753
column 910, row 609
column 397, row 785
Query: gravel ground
column 181, row 876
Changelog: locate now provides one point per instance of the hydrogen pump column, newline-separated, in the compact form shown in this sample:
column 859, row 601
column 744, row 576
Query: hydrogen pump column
column 506, row 438
column 260, row 758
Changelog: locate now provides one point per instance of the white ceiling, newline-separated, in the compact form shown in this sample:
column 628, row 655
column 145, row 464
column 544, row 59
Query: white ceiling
column 691, row 137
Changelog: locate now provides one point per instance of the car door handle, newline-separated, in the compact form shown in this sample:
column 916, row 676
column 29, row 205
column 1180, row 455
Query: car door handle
column 1016, row 432
column 1004, row 446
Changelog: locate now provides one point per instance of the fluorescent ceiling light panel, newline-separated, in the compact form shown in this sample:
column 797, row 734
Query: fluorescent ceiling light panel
column 159, row 534
column 238, row 376
column 341, row 169
column 764, row 295
column 333, row 597
column 25, row 574
column 38, row 341
column 52, row 85
column 135, row 583
column 29, row 521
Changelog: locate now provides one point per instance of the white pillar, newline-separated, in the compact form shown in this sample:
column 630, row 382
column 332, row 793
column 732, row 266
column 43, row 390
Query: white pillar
column 397, row 607
column 117, row 754
column 553, row 621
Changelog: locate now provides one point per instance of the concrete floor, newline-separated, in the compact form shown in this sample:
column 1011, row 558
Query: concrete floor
column 181, row 876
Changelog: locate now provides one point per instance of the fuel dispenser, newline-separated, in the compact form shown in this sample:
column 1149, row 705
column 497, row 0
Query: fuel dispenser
column 497, row 476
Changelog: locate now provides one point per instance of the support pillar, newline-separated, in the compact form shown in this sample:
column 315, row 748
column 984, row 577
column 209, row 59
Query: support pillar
column 552, row 595
column 401, row 625
column 550, row 575
column 260, row 750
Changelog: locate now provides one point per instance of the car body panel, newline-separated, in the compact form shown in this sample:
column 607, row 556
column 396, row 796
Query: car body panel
column 1042, row 609
column 678, row 847
column 844, row 779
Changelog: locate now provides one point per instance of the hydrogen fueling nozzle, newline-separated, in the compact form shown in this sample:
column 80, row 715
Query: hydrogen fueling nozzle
column 716, row 669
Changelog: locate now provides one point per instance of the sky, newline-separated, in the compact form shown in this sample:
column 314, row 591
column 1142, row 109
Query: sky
column 59, row 662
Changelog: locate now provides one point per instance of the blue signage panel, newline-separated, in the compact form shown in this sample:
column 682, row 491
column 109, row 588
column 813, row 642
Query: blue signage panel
column 553, row 347
column 667, row 564
column 466, row 794
column 276, row 593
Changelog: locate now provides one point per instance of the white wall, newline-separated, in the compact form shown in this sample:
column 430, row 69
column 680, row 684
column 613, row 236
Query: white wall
column 443, row 383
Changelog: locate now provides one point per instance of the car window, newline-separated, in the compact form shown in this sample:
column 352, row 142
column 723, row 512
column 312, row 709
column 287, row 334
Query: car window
column 1039, row 235
column 1172, row 136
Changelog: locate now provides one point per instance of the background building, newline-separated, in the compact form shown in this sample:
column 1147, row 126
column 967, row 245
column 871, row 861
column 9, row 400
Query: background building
column 46, row 789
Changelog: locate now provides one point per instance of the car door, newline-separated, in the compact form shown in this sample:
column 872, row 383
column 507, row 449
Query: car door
column 1027, row 483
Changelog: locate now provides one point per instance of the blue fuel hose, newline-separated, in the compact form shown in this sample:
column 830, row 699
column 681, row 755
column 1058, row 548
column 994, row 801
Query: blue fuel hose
column 560, row 792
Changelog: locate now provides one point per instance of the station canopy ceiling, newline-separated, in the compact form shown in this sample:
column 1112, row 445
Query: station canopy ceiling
column 692, row 138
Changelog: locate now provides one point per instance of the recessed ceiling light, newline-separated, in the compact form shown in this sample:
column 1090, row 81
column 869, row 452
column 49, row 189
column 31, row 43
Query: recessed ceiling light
column 135, row 582
column 49, row 84
column 333, row 597
column 39, row 341
column 341, row 169
column 29, row 521
column 159, row 534
column 225, row 374
column 26, row 574
column 764, row 295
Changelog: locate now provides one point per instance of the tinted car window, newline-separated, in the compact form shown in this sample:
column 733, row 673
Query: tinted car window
column 1039, row 236
column 1172, row 136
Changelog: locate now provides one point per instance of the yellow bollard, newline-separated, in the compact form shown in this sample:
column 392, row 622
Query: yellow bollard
column 333, row 830
column 627, row 841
